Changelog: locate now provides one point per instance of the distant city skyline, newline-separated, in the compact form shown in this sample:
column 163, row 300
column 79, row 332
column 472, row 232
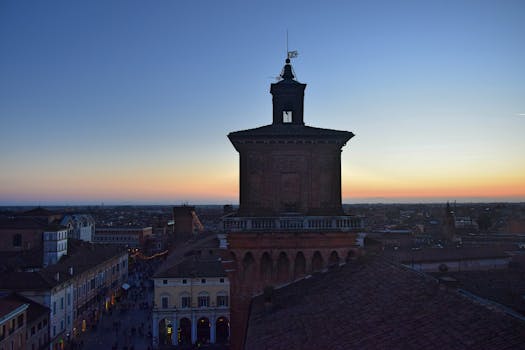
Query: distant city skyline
column 125, row 102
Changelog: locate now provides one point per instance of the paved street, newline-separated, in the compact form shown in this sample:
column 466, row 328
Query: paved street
column 127, row 327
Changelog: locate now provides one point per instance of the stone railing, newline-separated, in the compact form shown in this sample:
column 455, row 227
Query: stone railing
column 293, row 223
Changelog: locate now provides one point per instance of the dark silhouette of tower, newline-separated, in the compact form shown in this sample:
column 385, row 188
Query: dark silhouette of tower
column 449, row 225
column 290, row 221
column 186, row 223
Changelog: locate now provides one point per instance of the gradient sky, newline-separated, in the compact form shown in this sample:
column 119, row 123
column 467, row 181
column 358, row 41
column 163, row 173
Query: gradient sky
column 131, row 101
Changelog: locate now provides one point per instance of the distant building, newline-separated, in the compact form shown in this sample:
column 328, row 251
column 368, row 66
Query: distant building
column 191, row 303
column 55, row 244
column 449, row 225
column 79, row 226
column 186, row 223
column 516, row 226
column 13, row 316
column 19, row 234
column 25, row 231
column 132, row 237
column 455, row 259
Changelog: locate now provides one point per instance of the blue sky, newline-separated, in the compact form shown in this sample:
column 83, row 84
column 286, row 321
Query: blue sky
column 131, row 101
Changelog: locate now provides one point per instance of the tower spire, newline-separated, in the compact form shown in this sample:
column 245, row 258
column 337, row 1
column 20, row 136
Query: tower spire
column 287, row 73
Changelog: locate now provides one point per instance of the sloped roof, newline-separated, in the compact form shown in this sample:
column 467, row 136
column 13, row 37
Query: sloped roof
column 193, row 267
column 291, row 130
column 377, row 305
column 82, row 256
column 22, row 223
column 38, row 211
column 35, row 310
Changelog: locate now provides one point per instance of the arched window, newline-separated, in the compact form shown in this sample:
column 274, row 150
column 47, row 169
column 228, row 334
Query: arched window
column 204, row 299
column 185, row 300
column 222, row 299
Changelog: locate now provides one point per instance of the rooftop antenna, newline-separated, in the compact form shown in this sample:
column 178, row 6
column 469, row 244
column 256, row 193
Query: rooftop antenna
column 290, row 54
column 287, row 43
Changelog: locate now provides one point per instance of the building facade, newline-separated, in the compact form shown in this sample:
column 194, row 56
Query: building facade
column 79, row 226
column 191, row 303
column 131, row 237
column 55, row 244
column 290, row 221
column 13, row 316
column 186, row 223
column 76, row 289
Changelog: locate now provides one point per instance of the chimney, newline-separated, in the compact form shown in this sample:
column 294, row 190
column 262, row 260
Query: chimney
column 70, row 270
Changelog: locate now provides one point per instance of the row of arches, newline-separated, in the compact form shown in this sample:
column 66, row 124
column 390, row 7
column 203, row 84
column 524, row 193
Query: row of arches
column 282, row 268
column 203, row 331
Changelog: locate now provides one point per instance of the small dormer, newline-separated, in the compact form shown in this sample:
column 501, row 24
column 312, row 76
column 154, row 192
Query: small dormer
column 288, row 98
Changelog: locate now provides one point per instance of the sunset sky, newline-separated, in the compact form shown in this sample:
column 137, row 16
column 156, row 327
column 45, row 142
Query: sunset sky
column 128, row 102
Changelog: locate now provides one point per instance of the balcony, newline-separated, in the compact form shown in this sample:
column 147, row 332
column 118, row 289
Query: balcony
column 293, row 223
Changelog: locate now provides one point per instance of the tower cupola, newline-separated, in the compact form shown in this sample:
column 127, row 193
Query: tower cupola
column 288, row 98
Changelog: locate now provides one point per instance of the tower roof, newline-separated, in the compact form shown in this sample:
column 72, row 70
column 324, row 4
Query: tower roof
column 287, row 73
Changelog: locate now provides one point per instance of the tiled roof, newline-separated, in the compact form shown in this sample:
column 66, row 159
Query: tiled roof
column 22, row 223
column 82, row 256
column 7, row 306
column 21, row 260
column 35, row 310
column 194, row 267
column 38, row 211
column 377, row 305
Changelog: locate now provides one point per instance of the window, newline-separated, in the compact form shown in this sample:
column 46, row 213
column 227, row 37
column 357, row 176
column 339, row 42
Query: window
column 69, row 299
column 222, row 300
column 54, row 307
column 185, row 301
column 165, row 282
column 203, row 280
column 204, row 299
column 184, row 281
column 62, row 303
column 165, row 302
column 61, row 325
column 287, row 116
column 20, row 321
column 222, row 280
column 54, row 330
column 33, row 330
column 45, row 322
column 17, row 240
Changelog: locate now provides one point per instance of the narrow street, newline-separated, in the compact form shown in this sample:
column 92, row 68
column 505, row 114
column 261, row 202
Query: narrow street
column 128, row 325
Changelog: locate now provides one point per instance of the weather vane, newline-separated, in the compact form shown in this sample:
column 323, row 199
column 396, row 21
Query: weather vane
column 290, row 54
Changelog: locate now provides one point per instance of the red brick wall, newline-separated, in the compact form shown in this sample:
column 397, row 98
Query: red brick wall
column 256, row 260
column 31, row 238
column 305, row 175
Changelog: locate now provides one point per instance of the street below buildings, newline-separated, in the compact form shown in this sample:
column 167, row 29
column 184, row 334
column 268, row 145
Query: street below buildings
column 127, row 326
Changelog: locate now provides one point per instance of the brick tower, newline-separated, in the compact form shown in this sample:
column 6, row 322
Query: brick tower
column 290, row 221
